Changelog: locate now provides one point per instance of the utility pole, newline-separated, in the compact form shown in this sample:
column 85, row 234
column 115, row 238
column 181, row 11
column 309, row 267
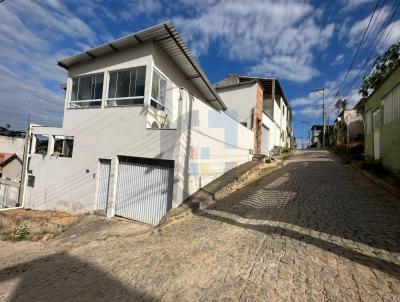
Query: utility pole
column 24, row 179
column 322, row 92
column 308, row 131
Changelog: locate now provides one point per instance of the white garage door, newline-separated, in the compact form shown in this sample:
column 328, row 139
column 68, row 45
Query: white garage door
column 144, row 189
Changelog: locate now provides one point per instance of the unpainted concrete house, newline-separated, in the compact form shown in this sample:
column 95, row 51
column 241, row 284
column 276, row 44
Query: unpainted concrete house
column 259, row 104
column 143, row 129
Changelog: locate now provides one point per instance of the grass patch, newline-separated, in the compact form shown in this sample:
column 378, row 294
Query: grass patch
column 21, row 224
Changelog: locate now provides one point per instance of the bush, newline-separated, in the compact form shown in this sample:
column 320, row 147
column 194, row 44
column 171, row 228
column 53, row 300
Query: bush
column 21, row 233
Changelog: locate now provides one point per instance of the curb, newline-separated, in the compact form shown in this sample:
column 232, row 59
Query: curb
column 378, row 182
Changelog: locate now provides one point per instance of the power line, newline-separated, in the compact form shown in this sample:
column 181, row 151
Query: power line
column 374, row 49
column 357, row 52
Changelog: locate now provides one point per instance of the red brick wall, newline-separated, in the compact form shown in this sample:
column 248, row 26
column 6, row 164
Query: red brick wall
column 258, row 119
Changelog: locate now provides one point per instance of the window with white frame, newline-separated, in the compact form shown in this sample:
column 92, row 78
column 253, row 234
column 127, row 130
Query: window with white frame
column 42, row 144
column 158, row 90
column 86, row 91
column 126, row 87
column 391, row 105
column 63, row 146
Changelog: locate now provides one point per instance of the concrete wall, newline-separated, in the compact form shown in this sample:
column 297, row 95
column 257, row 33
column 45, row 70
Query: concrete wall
column 212, row 143
column 70, row 184
column 355, row 124
column 270, row 124
column 389, row 133
column 11, row 145
column 240, row 101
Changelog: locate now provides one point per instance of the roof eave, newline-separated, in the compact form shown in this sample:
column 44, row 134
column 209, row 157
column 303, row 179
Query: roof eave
column 149, row 34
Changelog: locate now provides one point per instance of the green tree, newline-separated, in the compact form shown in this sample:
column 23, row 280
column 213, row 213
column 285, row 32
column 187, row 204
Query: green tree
column 383, row 66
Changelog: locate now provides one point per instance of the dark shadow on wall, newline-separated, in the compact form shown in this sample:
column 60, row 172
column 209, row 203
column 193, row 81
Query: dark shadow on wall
column 61, row 277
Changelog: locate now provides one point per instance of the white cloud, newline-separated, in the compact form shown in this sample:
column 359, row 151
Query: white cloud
column 392, row 33
column 288, row 67
column 139, row 8
column 339, row 59
column 313, row 112
column 356, row 31
column 284, row 34
column 311, row 99
column 352, row 4
column 31, row 38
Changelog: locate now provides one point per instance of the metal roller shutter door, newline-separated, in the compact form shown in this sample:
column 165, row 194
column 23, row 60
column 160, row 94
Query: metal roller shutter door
column 144, row 189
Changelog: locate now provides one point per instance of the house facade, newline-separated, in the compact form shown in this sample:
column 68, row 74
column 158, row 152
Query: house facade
column 261, row 105
column 348, row 128
column 143, row 130
column 11, row 168
column 316, row 140
column 382, row 123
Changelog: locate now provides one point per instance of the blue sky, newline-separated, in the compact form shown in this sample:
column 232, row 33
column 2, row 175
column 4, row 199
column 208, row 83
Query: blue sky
column 306, row 44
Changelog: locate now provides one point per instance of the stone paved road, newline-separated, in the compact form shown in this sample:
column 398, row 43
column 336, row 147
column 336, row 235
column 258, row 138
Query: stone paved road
column 311, row 231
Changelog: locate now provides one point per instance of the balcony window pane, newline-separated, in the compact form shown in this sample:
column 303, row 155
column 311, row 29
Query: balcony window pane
column 140, row 79
column 85, row 87
column 123, row 84
column 112, row 89
column 86, row 91
column 127, row 87
column 98, row 87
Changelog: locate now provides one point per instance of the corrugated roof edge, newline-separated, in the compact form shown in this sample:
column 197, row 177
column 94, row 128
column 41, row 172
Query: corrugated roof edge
column 271, row 78
column 236, row 84
column 77, row 58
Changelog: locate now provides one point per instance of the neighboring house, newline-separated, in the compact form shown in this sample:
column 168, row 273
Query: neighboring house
column 11, row 142
column 316, row 142
column 382, row 122
column 143, row 130
column 348, row 128
column 259, row 104
column 11, row 168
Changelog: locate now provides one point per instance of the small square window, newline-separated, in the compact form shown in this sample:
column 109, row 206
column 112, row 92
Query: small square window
column 63, row 146
column 42, row 144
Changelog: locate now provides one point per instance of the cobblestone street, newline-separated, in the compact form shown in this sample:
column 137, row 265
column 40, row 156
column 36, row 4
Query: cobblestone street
column 313, row 230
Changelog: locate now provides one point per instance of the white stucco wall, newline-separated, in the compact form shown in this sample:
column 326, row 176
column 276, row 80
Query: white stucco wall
column 240, row 100
column 11, row 145
column 70, row 184
column 271, row 125
column 217, row 144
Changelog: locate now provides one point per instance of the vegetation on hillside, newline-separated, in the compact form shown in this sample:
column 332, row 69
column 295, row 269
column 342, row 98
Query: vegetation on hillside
column 383, row 66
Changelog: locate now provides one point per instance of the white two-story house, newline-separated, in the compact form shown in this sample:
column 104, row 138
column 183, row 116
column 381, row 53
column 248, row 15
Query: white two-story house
column 261, row 105
column 143, row 129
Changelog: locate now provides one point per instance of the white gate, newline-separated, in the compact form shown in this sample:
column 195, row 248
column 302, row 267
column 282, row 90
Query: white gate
column 9, row 193
column 104, row 180
column 264, row 141
column 144, row 189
